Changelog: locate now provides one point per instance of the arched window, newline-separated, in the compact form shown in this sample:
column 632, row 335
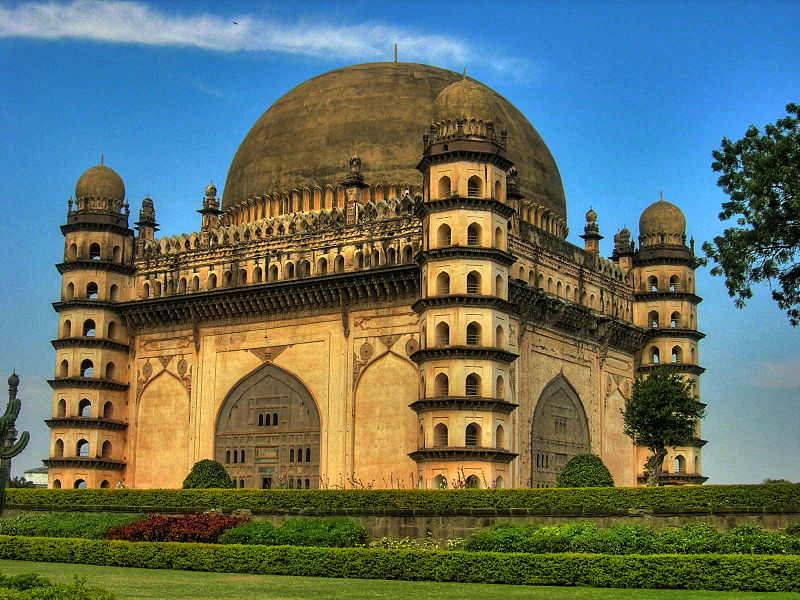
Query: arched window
column 500, row 388
column 391, row 256
column 652, row 319
column 182, row 285
column 540, row 282
column 63, row 370
column 242, row 456
column 474, row 187
column 66, row 329
column 440, row 435
column 474, row 235
column 69, row 294
column 241, row 483
column 61, row 409
column 473, row 282
column 87, row 368
column 500, row 437
column 550, row 285
column 104, row 484
column 375, row 259
column 110, row 370
column 72, row 252
column 58, row 449
column 272, row 274
column 474, row 334
column 80, row 484
column 697, row 465
column 675, row 320
column 226, row 279
column 680, row 464
column 443, row 236
column 260, row 419
column 91, row 290
column 291, row 454
column 677, row 354
column 591, row 301
column 89, row 328
column 559, row 289
column 498, row 190
column 473, row 385
column 654, row 357
column 473, row 482
column 652, row 283
column 242, row 280
column 227, row 456
column 440, row 482
column 568, row 294
column 308, row 455
column 212, row 281
column 195, row 283
column 288, row 271
column 472, row 436
column 674, row 283
column 442, row 334
column 267, row 420
column 308, row 483
column 157, row 289
column 305, row 269
column 498, row 482
column 441, row 385
column 235, row 456
column 105, row 451
column 56, row 484
column 274, row 419
column 322, row 266
column 498, row 238
column 258, row 275
column 94, row 251
column 444, row 187
column 338, row 264
column 500, row 337
column 299, row 455
column 85, row 408
column 117, row 254
column 358, row 260
column 82, row 449
column 108, row 410
column 145, row 290
column 408, row 254
column 443, row 283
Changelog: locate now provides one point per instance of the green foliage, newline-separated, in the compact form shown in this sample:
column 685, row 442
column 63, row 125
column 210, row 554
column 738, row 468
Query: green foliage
column 30, row 586
column 575, row 501
column 769, row 481
column 761, row 175
column 710, row 572
column 76, row 524
column 20, row 482
column 429, row 543
column 585, row 470
column 662, row 412
column 793, row 529
column 328, row 533
column 207, row 474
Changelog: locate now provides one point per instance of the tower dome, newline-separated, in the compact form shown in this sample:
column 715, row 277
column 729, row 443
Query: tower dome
column 379, row 111
column 466, row 99
column 100, row 182
column 662, row 217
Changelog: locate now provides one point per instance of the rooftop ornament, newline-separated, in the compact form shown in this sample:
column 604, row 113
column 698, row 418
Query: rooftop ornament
column 10, row 447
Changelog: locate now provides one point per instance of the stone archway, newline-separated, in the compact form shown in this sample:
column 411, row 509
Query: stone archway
column 271, row 417
column 560, row 430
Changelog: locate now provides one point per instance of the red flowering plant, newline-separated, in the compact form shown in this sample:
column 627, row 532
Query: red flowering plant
column 205, row 527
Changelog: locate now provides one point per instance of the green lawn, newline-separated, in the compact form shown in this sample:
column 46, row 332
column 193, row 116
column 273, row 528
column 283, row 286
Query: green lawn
column 157, row 584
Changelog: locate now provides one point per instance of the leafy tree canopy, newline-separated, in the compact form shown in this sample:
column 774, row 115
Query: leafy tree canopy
column 207, row 474
column 20, row 482
column 761, row 175
column 585, row 470
column 661, row 413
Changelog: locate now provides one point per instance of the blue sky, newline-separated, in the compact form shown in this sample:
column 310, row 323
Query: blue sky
column 631, row 98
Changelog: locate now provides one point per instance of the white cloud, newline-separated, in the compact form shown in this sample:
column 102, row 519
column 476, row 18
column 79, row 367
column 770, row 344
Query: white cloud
column 139, row 23
column 784, row 374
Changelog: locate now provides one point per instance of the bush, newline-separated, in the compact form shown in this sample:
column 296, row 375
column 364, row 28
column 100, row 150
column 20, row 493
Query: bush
column 80, row 525
column 329, row 533
column 692, row 538
column 708, row 572
column 191, row 528
column 750, row 539
column 207, row 474
column 793, row 529
column 30, row 586
column 585, row 470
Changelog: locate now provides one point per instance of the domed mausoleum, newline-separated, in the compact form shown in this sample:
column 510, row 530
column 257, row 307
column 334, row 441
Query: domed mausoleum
column 383, row 293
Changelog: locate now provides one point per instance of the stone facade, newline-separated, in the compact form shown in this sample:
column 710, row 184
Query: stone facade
column 365, row 333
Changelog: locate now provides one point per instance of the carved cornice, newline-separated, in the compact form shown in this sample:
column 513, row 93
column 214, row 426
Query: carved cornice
column 664, row 254
column 451, row 454
column 459, row 300
column 468, row 352
column 461, row 202
column 471, row 403
column 692, row 334
column 86, row 423
column 97, row 383
column 675, row 478
column 331, row 293
column 89, row 342
column 679, row 367
column 80, row 462
column 83, row 303
column 74, row 224
column 666, row 295
column 469, row 150
column 501, row 257
column 95, row 265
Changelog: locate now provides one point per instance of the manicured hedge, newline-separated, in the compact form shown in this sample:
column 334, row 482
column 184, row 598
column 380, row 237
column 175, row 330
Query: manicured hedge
column 76, row 525
column 710, row 572
column 328, row 533
column 775, row 497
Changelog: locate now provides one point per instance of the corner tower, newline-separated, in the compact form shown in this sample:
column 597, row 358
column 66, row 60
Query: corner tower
column 466, row 406
column 665, row 303
column 87, row 431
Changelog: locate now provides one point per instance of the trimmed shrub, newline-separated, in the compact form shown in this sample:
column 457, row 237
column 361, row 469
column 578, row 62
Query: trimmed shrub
column 207, row 474
column 30, row 586
column 78, row 525
column 708, row 572
column 692, row 538
column 205, row 527
column 793, row 529
column 585, row 470
column 328, row 533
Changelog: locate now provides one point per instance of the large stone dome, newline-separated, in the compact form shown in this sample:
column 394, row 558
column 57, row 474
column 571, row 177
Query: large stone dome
column 662, row 217
column 100, row 182
column 379, row 111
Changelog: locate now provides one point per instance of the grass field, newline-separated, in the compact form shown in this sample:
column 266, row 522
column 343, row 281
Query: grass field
column 164, row 584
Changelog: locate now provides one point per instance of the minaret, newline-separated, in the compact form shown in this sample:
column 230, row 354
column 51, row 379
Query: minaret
column 87, row 440
column 466, row 403
column 591, row 233
column 210, row 212
column 666, row 304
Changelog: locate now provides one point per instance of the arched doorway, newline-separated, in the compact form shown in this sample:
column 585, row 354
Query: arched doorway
column 268, row 432
column 560, row 431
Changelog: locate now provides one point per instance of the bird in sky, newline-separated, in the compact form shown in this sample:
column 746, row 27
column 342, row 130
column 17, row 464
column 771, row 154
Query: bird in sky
column 235, row 23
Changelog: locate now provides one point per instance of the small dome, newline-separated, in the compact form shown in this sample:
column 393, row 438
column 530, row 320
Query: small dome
column 211, row 189
column 13, row 380
column 100, row 182
column 662, row 217
column 591, row 216
column 464, row 99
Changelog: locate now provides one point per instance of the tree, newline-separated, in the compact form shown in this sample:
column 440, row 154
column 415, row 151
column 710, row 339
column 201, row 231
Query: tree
column 761, row 175
column 661, row 413
column 207, row 474
column 585, row 470
column 20, row 482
